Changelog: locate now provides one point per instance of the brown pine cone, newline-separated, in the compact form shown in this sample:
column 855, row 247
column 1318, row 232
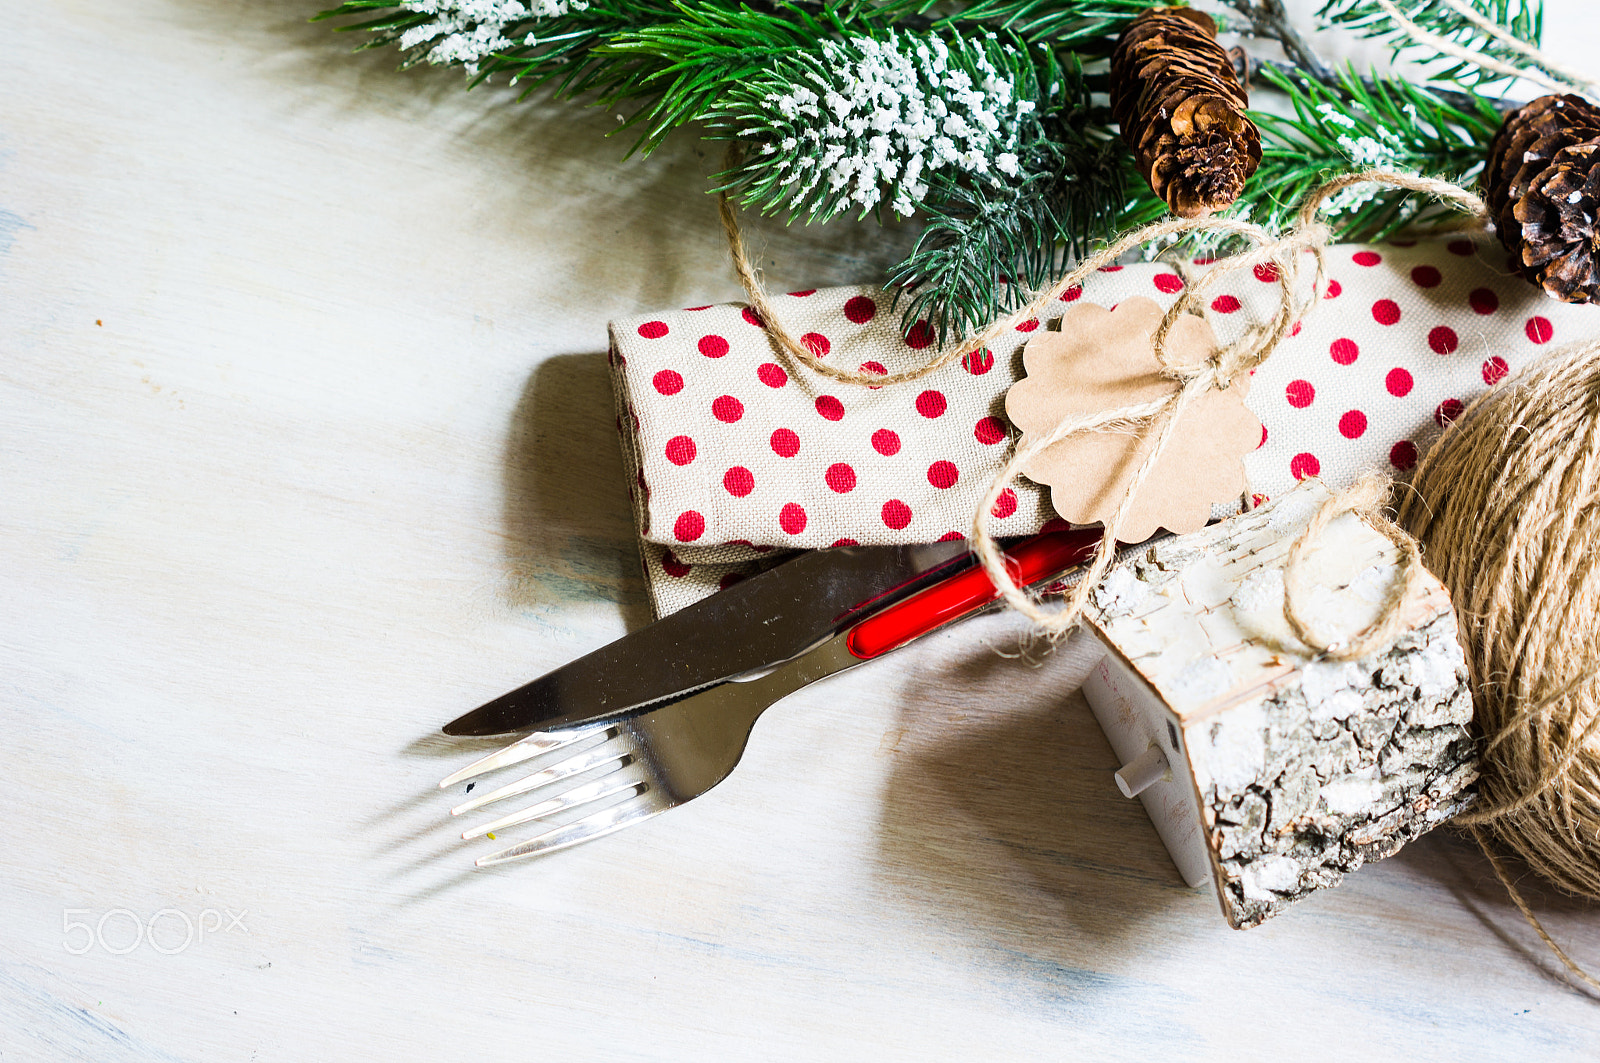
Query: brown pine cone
column 1543, row 191
column 1182, row 111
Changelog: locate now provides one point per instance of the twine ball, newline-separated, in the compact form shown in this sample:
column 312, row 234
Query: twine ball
column 1507, row 510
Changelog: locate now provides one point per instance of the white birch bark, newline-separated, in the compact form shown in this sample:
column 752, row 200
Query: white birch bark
column 1299, row 769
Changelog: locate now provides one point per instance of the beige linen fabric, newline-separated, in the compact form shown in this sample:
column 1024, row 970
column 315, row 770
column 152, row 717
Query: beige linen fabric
column 737, row 458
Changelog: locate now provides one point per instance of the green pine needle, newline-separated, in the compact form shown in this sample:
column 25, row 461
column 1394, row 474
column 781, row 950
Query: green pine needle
column 1087, row 27
column 987, row 248
column 1523, row 18
column 1379, row 121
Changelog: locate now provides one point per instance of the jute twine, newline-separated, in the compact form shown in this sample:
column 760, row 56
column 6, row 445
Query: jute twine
column 1506, row 510
column 1156, row 419
column 1368, row 499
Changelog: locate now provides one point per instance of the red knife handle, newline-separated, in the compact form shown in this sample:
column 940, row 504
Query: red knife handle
column 1037, row 559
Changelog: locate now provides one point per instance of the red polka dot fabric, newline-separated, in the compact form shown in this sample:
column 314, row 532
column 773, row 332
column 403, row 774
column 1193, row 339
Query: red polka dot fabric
column 737, row 455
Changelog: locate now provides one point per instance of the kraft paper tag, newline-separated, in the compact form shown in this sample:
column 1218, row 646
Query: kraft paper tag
column 1103, row 359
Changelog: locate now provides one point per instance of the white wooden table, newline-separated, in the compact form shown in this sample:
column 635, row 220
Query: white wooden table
column 306, row 447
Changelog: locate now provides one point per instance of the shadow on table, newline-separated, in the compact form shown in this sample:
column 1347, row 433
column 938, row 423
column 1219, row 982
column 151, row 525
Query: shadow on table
column 568, row 523
column 543, row 176
column 569, row 534
column 1452, row 860
column 1000, row 820
column 640, row 228
column 1001, row 814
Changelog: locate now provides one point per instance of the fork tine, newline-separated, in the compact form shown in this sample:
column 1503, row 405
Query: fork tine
column 534, row 745
column 603, row 787
column 565, row 769
column 597, row 825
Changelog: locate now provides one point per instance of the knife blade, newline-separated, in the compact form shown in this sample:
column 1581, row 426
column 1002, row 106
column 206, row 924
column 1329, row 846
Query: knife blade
column 701, row 717
column 754, row 624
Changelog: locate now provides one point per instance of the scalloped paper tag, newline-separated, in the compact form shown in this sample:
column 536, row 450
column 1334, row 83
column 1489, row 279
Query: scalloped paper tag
column 1103, row 359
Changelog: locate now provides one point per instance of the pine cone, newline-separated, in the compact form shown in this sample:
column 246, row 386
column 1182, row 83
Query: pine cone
column 1182, row 111
column 1543, row 192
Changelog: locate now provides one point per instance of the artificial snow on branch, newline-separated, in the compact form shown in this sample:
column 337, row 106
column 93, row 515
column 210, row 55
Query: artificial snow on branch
column 866, row 120
column 466, row 32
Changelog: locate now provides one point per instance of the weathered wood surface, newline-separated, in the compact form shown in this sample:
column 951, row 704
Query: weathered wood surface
column 307, row 447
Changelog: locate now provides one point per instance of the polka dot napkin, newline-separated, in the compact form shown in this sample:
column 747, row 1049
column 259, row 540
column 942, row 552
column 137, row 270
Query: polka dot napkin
column 735, row 454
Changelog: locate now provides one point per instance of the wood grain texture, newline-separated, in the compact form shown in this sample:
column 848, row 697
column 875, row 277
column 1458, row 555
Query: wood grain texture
column 305, row 447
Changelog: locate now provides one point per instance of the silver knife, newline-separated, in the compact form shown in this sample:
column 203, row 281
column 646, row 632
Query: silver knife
column 755, row 624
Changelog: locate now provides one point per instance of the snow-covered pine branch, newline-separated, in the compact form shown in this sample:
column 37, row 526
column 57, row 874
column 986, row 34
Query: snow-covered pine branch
column 868, row 120
column 465, row 32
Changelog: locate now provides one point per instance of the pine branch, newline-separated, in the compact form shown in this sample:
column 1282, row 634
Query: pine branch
column 977, row 114
column 1524, row 19
column 1269, row 18
column 1377, row 121
column 989, row 245
column 865, row 120
column 1087, row 27
column 672, row 59
column 685, row 69
column 1251, row 68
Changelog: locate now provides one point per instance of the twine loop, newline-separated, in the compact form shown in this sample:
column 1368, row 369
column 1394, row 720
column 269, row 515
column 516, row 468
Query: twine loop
column 1368, row 498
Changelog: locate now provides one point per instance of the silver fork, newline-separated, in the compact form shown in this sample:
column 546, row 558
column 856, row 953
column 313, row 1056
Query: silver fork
column 631, row 769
